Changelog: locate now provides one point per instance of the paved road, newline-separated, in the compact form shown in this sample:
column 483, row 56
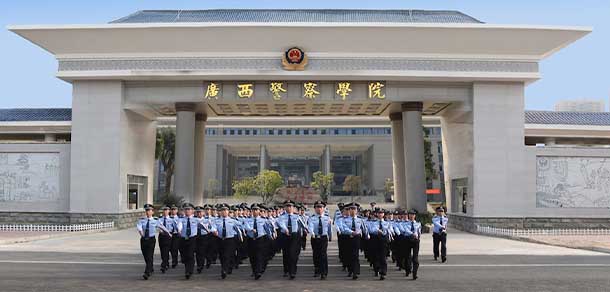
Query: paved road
column 29, row 270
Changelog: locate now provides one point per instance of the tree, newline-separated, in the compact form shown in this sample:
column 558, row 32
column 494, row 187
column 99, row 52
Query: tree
column 165, row 152
column 322, row 182
column 266, row 184
column 213, row 188
column 352, row 184
column 430, row 171
column 243, row 187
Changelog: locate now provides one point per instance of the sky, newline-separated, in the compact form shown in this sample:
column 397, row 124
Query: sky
column 578, row 71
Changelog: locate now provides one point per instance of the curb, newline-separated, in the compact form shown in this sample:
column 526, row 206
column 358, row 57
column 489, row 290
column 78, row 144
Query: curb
column 525, row 239
column 51, row 236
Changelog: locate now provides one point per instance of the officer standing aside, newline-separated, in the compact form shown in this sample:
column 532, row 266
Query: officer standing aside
column 187, row 227
column 320, row 229
column 147, row 227
column 439, row 234
column 165, row 238
column 413, row 233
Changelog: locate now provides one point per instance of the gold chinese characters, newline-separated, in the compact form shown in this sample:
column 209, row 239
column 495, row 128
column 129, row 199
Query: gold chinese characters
column 212, row 91
column 343, row 89
column 376, row 90
column 276, row 89
column 309, row 90
column 245, row 90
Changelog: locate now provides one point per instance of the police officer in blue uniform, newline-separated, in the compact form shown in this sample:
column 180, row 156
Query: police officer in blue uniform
column 227, row 230
column 187, row 227
column 165, row 239
column 147, row 227
column 176, row 240
column 258, row 230
column 320, row 229
column 380, row 235
column 439, row 234
column 354, row 229
column 413, row 233
column 291, row 227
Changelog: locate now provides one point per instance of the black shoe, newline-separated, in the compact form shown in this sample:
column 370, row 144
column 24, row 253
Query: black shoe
column 343, row 269
column 174, row 266
column 349, row 274
column 444, row 259
column 323, row 277
column 163, row 270
column 316, row 275
column 223, row 275
column 207, row 266
column 292, row 277
column 382, row 277
column 187, row 276
column 145, row 276
column 376, row 274
column 257, row 276
column 407, row 273
column 436, row 258
column 414, row 276
column 199, row 270
column 285, row 275
column 355, row 277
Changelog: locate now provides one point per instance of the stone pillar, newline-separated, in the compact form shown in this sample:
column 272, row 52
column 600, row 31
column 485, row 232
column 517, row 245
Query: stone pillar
column 263, row 158
column 327, row 157
column 398, row 160
column 185, row 151
column 413, row 142
column 200, row 120
column 50, row 137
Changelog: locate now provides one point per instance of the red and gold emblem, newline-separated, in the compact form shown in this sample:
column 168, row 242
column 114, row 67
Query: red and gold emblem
column 294, row 59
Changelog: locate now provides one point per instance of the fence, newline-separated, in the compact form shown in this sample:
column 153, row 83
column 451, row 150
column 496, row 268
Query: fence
column 537, row 232
column 57, row 228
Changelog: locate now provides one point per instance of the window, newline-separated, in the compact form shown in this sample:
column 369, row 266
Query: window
column 288, row 132
column 314, row 132
column 323, row 132
column 239, row 132
column 247, row 132
column 270, row 132
column 232, row 132
column 254, row 132
column 224, row 132
column 305, row 132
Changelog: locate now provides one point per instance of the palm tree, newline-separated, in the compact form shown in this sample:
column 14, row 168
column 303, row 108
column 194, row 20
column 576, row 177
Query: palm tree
column 165, row 152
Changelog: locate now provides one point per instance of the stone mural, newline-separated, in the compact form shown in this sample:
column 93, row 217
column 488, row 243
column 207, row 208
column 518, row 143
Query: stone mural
column 572, row 182
column 29, row 177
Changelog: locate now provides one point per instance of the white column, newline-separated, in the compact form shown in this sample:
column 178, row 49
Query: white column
column 200, row 120
column 185, row 151
column 413, row 141
column 263, row 158
column 398, row 160
column 327, row 157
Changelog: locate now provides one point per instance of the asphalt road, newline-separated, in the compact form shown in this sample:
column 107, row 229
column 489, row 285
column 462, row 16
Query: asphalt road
column 58, row 271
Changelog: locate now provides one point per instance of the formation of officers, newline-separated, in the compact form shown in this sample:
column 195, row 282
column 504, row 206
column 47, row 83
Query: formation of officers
column 198, row 237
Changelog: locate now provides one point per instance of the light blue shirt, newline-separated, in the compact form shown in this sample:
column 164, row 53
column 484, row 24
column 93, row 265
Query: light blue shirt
column 439, row 223
column 205, row 225
column 182, row 226
column 232, row 227
column 297, row 224
column 169, row 223
column 263, row 227
column 413, row 228
column 349, row 222
column 314, row 226
column 374, row 228
column 152, row 223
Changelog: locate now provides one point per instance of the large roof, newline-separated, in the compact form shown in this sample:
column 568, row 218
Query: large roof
column 531, row 117
column 568, row 118
column 35, row 114
column 298, row 15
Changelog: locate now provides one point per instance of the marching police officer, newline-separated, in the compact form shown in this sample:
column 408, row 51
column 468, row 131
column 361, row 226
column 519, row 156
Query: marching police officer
column 147, row 227
column 380, row 235
column 227, row 230
column 187, row 227
column 291, row 227
column 354, row 228
column 176, row 240
column 320, row 229
column 258, row 230
column 413, row 233
column 439, row 234
column 165, row 239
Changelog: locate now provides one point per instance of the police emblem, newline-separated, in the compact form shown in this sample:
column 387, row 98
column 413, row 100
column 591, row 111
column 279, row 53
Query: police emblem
column 294, row 59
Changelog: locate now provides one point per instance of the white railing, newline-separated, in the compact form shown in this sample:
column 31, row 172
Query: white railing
column 538, row 232
column 56, row 228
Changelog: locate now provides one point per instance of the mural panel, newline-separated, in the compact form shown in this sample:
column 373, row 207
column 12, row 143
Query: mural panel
column 29, row 177
column 572, row 182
